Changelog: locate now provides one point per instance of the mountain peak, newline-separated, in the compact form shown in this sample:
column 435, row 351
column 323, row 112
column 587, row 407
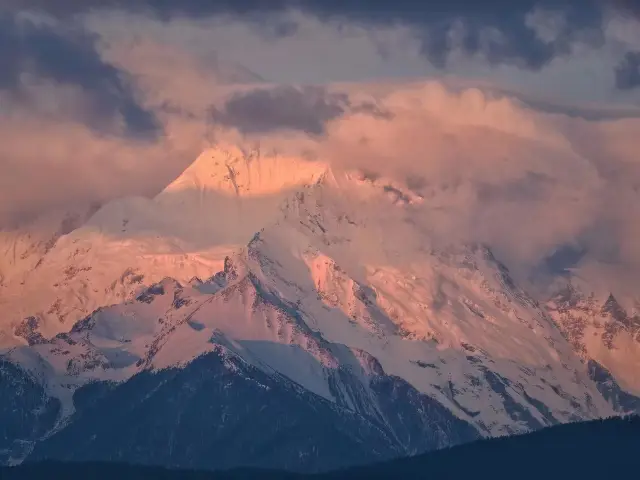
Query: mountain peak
column 234, row 172
column 612, row 307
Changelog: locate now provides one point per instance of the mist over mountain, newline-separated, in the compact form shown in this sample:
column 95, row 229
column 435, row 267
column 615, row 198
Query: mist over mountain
column 312, row 237
column 281, row 324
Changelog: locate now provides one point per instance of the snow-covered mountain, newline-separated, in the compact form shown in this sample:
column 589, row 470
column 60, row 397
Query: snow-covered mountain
column 23, row 248
column 215, row 206
column 293, row 312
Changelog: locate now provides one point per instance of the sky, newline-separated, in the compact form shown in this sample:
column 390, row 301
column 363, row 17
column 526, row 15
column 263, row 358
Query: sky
column 520, row 117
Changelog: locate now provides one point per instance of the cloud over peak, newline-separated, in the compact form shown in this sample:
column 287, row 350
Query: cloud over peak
column 105, row 98
column 306, row 109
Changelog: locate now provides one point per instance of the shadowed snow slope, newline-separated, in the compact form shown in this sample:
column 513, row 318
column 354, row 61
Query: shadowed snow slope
column 298, row 285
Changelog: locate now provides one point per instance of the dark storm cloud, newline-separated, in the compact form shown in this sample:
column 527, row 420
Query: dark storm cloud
column 66, row 54
column 628, row 72
column 306, row 109
column 517, row 44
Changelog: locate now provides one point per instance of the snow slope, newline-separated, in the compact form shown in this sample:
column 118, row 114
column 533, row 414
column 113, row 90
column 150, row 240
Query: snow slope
column 324, row 278
column 23, row 247
column 185, row 232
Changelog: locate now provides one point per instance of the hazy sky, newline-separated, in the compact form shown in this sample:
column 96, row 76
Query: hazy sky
column 103, row 98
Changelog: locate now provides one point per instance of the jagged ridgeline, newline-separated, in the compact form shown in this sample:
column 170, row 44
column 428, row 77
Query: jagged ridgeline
column 269, row 311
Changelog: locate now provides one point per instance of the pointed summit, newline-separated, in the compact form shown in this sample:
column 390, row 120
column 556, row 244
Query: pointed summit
column 234, row 172
column 612, row 308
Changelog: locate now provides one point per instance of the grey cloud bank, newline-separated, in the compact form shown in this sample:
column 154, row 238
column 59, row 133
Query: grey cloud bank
column 67, row 54
column 500, row 30
column 306, row 109
column 266, row 110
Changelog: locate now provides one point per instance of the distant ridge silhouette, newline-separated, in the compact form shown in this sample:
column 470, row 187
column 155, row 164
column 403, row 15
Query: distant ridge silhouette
column 596, row 449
